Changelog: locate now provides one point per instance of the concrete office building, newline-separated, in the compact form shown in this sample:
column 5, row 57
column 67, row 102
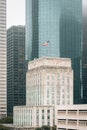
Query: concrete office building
column 72, row 117
column 49, row 82
column 3, row 60
column 54, row 28
column 16, row 89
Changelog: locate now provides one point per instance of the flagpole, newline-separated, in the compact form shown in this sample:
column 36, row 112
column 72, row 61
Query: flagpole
column 46, row 44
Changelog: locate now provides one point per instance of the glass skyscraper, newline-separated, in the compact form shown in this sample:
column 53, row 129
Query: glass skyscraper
column 16, row 75
column 59, row 24
column 84, row 56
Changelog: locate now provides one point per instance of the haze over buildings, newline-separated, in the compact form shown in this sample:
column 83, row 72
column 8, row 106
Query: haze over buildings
column 13, row 8
column 15, row 12
column 53, row 28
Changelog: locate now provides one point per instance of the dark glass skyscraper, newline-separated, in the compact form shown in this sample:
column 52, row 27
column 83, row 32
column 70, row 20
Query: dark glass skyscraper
column 84, row 56
column 15, row 67
column 58, row 23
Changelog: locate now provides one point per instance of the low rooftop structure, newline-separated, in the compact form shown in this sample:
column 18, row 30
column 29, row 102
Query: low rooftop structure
column 72, row 117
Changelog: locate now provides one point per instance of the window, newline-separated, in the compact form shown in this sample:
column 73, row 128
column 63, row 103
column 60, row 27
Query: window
column 48, row 111
column 42, row 117
column 42, row 111
column 63, row 102
column 48, row 123
column 52, row 77
column 47, row 76
column 48, row 117
column 62, row 96
column 47, row 83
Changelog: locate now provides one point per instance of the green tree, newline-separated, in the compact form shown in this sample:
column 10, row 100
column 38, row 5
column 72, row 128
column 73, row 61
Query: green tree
column 3, row 127
column 8, row 119
column 38, row 128
column 45, row 127
column 54, row 127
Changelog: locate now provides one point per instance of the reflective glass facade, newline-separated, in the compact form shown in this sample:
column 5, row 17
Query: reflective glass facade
column 84, row 60
column 71, row 39
column 60, row 23
column 42, row 25
column 16, row 75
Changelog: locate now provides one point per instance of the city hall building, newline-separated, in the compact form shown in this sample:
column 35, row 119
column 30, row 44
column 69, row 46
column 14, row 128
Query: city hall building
column 49, row 82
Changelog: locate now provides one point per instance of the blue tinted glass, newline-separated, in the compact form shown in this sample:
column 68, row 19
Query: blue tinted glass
column 54, row 28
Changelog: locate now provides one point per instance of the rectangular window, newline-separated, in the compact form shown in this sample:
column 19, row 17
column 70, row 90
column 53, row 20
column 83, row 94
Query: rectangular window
column 48, row 117
column 42, row 111
column 42, row 117
column 48, row 111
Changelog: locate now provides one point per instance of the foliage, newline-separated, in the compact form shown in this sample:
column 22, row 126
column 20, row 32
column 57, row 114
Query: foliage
column 38, row 128
column 54, row 127
column 3, row 127
column 8, row 119
column 45, row 127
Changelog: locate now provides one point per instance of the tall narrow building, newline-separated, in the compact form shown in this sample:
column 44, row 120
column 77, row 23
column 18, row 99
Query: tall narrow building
column 15, row 67
column 3, row 60
column 54, row 28
column 84, row 56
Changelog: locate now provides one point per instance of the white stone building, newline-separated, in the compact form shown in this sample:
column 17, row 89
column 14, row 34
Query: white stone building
column 69, row 117
column 33, row 116
column 49, row 81
column 3, row 60
column 72, row 117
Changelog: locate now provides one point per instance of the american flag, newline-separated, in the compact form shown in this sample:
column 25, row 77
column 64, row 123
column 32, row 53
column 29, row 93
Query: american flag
column 46, row 43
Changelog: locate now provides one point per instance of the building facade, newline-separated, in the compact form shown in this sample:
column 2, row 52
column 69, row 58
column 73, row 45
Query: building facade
column 84, row 56
column 49, row 81
column 16, row 91
column 72, row 117
column 3, row 60
column 69, row 117
column 33, row 116
column 59, row 24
